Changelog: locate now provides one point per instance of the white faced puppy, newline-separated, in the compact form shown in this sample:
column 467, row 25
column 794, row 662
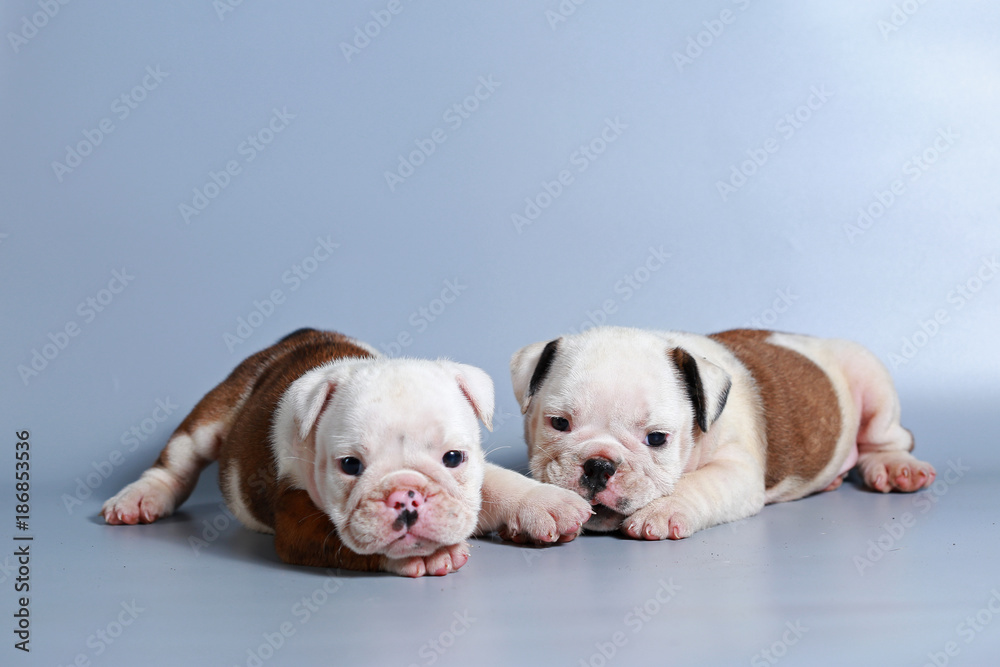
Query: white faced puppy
column 351, row 460
column 667, row 433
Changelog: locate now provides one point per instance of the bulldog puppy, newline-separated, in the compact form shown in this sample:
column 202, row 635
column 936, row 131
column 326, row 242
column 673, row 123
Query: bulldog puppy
column 667, row 433
column 352, row 460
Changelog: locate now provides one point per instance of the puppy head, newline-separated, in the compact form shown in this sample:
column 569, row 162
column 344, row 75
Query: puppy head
column 389, row 449
column 614, row 414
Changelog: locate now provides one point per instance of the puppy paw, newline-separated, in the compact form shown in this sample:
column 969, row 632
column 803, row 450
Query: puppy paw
column 441, row 562
column 142, row 501
column 547, row 514
column 660, row 520
column 895, row 471
column 836, row 483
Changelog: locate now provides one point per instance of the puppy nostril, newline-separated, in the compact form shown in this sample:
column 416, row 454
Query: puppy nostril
column 599, row 469
column 404, row 499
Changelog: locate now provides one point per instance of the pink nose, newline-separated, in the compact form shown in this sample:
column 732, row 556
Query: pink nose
column 405, row 500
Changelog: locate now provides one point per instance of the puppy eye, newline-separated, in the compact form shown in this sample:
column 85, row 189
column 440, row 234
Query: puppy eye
column 351, row 466
column 453, row 459
column 560, row 423
column 656, row 439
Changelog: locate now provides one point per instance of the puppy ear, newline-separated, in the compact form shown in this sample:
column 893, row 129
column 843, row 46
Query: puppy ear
column 528, row 368
column 477, row 387
column 707, row 386
column 309, row 396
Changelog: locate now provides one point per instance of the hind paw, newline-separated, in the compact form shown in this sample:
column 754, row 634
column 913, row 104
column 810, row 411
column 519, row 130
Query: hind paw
column 142, row 501
column 895, row 471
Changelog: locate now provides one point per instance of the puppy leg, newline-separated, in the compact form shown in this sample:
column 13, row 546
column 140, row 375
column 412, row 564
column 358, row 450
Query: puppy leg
column 884, row 446
column 304, row 535
column 194, row 445
column 524, row 510
column 719, row 492
column 169, row 481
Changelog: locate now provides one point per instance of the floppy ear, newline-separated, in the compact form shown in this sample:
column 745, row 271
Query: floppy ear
column 477, row 387
column 310, row 395
column 707, row 386
column 528, row 368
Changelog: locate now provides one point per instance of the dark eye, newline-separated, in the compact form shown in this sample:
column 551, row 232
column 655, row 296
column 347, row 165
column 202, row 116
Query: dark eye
column 560, row 423
column 453, row 459
column 655, row 439
column 351, row 466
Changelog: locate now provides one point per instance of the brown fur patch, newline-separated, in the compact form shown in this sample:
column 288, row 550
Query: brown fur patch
column 801, row 410
column 303, row 535
column 248, row 441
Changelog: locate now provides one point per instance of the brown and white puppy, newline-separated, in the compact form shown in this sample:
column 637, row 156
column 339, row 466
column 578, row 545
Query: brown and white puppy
column 667, row 433
column 352, row 460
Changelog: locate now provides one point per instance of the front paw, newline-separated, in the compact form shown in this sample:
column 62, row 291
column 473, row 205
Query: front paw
column 547, row 514
column 441, row 562
column 662, row 519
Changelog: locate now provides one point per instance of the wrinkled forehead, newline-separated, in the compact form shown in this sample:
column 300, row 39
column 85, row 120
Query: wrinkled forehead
column 411, row 403
column 612, row 378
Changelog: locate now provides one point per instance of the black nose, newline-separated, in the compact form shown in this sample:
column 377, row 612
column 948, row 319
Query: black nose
column 405, row 518
column 596, row 473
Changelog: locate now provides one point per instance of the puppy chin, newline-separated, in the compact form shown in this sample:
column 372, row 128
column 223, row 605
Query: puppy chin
column 405, row 545
column 605, row 520
column 410, row 545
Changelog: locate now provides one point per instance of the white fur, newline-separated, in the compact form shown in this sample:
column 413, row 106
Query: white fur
column 615, row 385
column 234, row 500
column 398, row 417
column 159, row 491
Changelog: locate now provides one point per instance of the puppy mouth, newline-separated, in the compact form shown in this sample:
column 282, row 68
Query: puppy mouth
column 604, row 519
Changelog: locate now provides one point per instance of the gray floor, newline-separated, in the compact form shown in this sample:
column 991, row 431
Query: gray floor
column 843, row 578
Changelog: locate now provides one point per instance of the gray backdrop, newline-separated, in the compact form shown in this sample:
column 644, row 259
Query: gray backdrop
column 184, row 183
